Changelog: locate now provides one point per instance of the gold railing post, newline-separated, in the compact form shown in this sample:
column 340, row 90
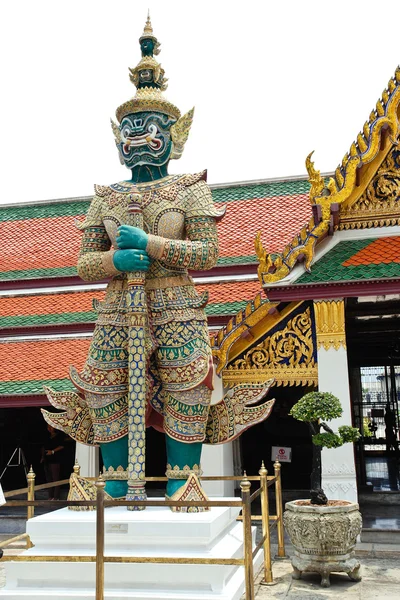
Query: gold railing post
column 268, row 576
column 245, row 487
column 100, row 484
column 77, row 468
column 30, row 511
column 279, row 511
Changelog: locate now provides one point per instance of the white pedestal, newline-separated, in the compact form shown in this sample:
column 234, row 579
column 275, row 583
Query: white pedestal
column 88, row 459
column 153, row 532
column 217, row 460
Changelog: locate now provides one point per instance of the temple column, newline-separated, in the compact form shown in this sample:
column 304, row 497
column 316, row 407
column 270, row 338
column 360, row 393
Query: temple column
column 217, row 460
column 88, row 459
column 338, row 467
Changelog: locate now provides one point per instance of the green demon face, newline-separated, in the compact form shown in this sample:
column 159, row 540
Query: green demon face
column 147, row 46
column 145, row 139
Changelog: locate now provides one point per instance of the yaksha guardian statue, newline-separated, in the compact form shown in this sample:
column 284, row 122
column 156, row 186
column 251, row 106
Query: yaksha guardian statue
column 150, row 362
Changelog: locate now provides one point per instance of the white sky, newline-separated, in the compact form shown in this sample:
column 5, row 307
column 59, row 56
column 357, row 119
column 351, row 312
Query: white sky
column 270, row 80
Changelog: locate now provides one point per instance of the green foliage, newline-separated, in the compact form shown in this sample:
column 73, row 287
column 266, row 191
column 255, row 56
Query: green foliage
column 348, row 434
column 366, row 429
column 317, row 405
column 327, row 440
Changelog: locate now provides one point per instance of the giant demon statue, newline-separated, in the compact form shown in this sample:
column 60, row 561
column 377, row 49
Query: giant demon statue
column 150, row 361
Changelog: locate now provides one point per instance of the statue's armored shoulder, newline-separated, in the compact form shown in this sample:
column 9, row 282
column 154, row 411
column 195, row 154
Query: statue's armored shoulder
column 102, row 190
column 199, row 200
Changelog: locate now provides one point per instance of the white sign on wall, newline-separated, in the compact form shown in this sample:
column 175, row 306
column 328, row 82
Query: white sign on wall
column 281, row 453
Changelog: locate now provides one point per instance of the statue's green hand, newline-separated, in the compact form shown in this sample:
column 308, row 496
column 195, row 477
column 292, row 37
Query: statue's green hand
column 131, row 260
column 131, row 237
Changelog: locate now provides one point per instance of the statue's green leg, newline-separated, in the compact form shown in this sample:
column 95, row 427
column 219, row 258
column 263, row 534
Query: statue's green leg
column 181, row 455
column 115, row 454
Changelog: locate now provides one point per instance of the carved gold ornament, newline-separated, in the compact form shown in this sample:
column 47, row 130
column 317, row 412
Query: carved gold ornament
column 379, row 136
column 379, row 205
column 330, row 324
column 180, row 132
column 177, row 473
column 118, row 474
column 287, row 356
column 238, row 327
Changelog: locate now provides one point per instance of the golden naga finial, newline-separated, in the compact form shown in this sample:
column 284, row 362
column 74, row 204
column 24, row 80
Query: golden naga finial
column 264, row 259
column 315, row 179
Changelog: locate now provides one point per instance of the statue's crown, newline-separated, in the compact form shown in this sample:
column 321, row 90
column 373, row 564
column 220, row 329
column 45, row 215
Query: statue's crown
column 149, row 79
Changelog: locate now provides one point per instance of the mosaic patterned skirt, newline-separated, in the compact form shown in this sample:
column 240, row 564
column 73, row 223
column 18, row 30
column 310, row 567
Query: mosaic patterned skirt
column 179, row 381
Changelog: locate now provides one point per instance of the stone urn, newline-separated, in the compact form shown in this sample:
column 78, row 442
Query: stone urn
column 323, row 538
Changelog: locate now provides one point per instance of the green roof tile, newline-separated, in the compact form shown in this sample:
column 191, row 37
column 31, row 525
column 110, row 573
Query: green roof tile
column 263, row 190
column 38, row 273
column 330, row 267
column 44, row 211
column 51, row 319
column 34, row 387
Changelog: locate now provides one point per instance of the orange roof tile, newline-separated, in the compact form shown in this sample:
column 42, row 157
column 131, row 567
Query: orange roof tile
column 219, row 293
column 41, row 359
column 13, row 310
column 380, row 251
column 34, row 246
column 49, row 304
column 39, row 243
column 279, row 218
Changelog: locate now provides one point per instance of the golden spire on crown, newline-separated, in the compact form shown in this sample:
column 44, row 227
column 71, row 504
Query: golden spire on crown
column 149, row 35
column 149, row 78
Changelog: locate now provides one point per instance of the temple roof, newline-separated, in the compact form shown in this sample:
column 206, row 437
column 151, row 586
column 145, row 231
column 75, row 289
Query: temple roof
column 38, row 311
column 364, row 192
column 40, row 240
column 357, row 260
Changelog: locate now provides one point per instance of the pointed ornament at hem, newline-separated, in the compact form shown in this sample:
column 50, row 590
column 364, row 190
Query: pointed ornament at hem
column 191, row 491
column 81, row 489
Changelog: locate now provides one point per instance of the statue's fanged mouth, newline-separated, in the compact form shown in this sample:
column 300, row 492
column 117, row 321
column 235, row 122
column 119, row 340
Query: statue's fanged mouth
column 145, row 139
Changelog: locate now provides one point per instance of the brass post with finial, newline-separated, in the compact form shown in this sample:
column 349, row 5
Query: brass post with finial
column 30, row 511
column 77, row 468
column 268, row 576
column 30, row 478
column 100, row 484
column 245, row 487
column 279, row 511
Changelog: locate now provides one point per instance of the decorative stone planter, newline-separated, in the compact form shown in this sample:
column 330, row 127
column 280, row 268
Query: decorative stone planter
column 323, row 538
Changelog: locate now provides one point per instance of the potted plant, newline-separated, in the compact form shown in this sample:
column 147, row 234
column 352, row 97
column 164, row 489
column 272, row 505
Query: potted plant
column 323, row 532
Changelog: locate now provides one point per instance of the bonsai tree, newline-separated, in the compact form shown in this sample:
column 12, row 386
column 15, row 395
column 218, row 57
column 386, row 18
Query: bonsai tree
column 312, row 408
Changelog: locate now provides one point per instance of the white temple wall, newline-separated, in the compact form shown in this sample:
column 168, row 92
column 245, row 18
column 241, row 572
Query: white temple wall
column 338, row 466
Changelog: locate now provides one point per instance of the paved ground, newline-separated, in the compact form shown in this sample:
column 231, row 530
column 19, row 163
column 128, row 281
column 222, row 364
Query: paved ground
column 380, row 581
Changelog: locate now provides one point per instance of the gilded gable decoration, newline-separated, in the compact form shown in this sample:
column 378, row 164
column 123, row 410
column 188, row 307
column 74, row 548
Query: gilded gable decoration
column 379, row 205
column 330, row 324
column 287, row 355
column 237, row 327
column 349, row 183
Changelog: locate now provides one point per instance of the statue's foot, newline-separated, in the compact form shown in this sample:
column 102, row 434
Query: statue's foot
column 189, row 490
column 116, row 489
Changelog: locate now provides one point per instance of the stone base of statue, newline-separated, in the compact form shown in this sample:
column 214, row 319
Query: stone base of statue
column 151, row 533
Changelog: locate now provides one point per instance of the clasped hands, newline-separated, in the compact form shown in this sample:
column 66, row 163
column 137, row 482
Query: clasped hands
column 131, row 254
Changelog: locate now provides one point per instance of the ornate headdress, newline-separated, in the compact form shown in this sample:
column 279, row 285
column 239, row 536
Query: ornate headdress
column 149, row 79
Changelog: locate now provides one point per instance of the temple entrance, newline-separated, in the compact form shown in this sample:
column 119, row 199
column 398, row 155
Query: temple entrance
column 376, row 414
column 373, row 327
column 282, row 431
